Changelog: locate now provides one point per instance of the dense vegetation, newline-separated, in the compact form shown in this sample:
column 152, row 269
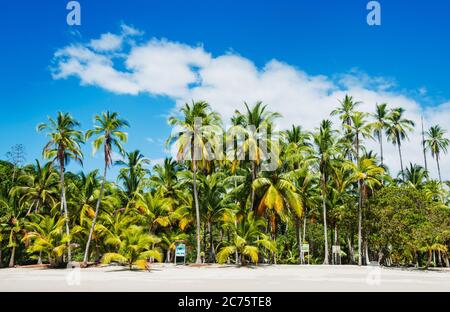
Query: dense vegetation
column 327, row 190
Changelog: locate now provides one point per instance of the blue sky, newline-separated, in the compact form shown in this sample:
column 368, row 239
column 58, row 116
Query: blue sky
column 329, row 38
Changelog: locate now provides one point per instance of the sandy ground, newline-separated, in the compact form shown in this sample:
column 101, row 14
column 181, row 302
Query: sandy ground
column 168, row 278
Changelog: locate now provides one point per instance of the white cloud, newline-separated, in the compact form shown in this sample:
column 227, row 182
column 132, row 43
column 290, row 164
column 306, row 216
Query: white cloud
column 107, row 42
column 183, row 72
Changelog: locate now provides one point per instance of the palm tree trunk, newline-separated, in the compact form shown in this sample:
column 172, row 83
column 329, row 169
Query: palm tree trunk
column 97, row 207
column 253, row 190
column 197, row 211
column 325, row 234
column 380, row 139
column 64, row 207
column 360, row 224
column 438, row 167
column 298, row 230
column 13, row 254
column 212, row 255
column 401, row 159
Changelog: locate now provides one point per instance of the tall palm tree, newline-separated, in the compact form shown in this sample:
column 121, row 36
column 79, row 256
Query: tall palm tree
column 359, row 128
column 63, row 145
column 397, row 131
column 109, row 135
column 325, row 150
column 192, row 139
column 379, row 125
column 367, row 174
column 346, row 110
column 259, row 118
column 437, row 143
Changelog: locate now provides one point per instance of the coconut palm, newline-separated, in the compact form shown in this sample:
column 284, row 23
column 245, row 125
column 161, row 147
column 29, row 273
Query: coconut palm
column 325, row 146
column 134, row 172
column 380, row 125
column 368, row 175
column 415, row 176
column 247, row 238
column 133, row 248
column 63, row 146
column 256, row 124
column 346, row 110
column 43, row 236
column 196, row 132
column 397, row 131
column 39, row 187
column 359, row 128
column 109, row 136
column 437, row 143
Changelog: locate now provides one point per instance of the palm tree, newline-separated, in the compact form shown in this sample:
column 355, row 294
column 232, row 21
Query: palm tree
column 63, row 145
column 39, row 187
column 325, row 150
column 133, row 248
column 133, row 173
column 359, row 129
column 258, row 118
column 197, row 127
column 44, row 236
column 437, row 143
column 380, row 125
column 246, row 240
column 415, row 176
column 367, row 174
column 109, row 135
column 346, row 110
column 397, row 131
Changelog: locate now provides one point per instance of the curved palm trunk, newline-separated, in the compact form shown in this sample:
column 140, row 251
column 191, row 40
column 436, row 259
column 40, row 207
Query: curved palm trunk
column 197, row 212
column 64, row 207
column 97, row 207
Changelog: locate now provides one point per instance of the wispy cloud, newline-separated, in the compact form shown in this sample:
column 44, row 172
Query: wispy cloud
column 184, row 72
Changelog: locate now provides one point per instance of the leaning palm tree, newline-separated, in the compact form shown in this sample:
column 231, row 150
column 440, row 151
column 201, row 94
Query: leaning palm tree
column 380, row 125
column 437, row 143
column 196, row 130
column 397, row 131
column 63, row 145
column 109, row 135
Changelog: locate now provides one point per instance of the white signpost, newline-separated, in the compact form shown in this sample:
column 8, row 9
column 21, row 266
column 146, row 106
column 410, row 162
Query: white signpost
column 305, row 249
column 336, row 250
column 180, row 251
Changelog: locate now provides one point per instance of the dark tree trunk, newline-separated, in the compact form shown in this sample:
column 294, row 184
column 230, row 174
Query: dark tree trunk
column 13, row 254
